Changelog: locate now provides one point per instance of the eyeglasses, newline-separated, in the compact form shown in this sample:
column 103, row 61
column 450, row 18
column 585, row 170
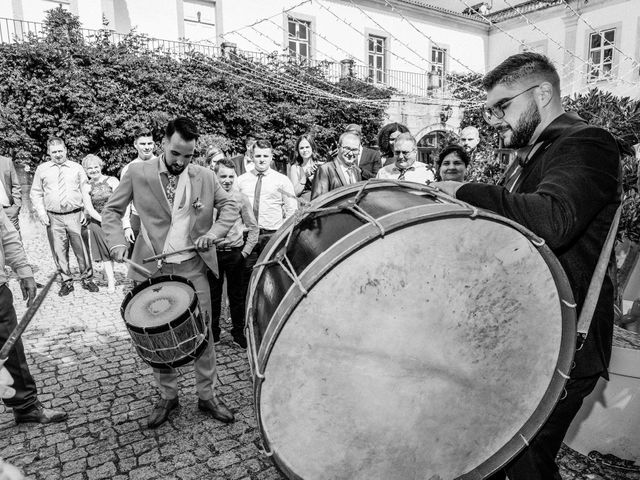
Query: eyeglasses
column 404, row 153
column 351, row 150
column 497, row 111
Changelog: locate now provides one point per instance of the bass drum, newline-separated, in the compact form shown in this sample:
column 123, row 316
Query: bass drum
column 396, row 333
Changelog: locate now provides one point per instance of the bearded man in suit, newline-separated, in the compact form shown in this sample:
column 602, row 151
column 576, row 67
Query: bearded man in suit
column 565, row 188
column 175, row 201
column 342, row 170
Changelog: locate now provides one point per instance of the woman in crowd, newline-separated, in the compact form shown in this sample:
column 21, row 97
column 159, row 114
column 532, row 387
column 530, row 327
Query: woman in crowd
column 452, row 163
column 102, row 187
column 303, row 166
column 212, row 155
column 386, row 137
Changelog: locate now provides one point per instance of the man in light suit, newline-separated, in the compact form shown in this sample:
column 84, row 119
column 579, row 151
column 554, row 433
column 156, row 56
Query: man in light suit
column 175, row 202
column 369, row 161
column 342, row 170
column 10, row 193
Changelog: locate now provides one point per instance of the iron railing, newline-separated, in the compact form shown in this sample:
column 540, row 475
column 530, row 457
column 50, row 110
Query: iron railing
column 408, row 83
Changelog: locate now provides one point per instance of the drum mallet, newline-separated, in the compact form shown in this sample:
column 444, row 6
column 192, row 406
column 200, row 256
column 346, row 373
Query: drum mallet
column 24, row 321
column 164, row 255
column 138, row 267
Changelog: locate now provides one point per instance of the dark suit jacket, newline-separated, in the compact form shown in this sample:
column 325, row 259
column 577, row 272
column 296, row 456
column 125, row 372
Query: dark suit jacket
column 369, row 163
column 568, row 195
column 238, row 161
column 11, row 183
column 328, row 177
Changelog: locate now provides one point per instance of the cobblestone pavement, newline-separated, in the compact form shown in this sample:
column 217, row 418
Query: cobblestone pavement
column 83, row 362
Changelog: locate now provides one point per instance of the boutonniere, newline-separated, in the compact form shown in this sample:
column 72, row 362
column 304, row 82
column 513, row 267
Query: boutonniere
column 197, row 205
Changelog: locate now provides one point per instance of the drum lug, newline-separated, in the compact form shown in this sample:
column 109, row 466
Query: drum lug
column 268, row 452
column 253, row 353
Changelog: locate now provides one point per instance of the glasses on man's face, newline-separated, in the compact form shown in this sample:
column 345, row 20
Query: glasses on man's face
column 403, row 153
column 350, row 150
column 497, row 111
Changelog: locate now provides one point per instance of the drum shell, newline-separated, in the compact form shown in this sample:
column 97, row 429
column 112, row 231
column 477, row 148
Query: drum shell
column 143, row 337
column 322, row 244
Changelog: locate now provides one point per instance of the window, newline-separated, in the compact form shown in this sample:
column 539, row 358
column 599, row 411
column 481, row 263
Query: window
column 376, row 52
column 601, row 54
column 438, row 66
column 299, row 38
column 199, row 20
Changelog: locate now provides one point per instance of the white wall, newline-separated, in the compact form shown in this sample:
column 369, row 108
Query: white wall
column 559, row 25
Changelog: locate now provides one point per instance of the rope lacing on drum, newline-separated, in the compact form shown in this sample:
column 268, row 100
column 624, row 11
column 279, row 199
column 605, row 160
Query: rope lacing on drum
column 538, row 242
column 562, row 374
column 280, row 259
column 569, row 304
column 526, row 442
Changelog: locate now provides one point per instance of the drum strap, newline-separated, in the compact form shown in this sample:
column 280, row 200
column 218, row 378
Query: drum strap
column 593, row 293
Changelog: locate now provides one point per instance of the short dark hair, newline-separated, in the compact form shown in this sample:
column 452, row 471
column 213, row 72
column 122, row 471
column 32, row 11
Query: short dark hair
column 141, row 132
column 520, row 66
column 224, row 162
column 453, row 148
column 262, row 143
column 185, row 127
column 54, row 141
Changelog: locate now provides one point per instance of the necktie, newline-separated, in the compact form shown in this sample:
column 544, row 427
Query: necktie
column 170, row 188
column 403, row 171
column 256, row 197
column 352, row 175
column 514, row 171
column 62, row 190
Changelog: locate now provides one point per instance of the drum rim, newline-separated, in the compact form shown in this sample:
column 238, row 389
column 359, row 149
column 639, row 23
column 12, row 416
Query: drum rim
column 368, row 233
column 166, row 326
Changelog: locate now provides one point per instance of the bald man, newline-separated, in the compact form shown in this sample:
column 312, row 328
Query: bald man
column 469, row 139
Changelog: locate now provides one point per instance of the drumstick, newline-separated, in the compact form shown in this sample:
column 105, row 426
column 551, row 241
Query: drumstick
column 139, row 267
column 24, row 321
column 163, row 255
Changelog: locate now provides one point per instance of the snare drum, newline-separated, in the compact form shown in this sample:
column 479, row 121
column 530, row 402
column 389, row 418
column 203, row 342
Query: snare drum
column 395, row 333
column 165, row 322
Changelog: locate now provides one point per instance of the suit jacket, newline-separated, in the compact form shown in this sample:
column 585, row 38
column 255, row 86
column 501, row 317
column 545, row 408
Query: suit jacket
column 238, row 161
column 9, row 179
column 567, row 194
column 328, row 177
column 141, row 184
column 370, row 163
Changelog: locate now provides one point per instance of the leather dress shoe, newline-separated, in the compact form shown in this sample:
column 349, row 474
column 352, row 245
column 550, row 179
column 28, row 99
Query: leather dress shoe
column 89, row 285
column 40, row 414
column 217, row 409
column 66, row 289
column 161, row 412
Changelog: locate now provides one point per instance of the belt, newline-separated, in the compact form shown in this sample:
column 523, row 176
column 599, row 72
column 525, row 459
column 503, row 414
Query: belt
column 264, row 231
column 7, row 206
column 65, row 213
column 228, row 249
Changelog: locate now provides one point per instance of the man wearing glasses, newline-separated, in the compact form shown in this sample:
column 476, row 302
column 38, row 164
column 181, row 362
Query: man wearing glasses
column 564, row 187
column 406, row 168
column 342, row 170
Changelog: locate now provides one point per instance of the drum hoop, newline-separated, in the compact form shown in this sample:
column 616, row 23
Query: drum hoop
column 366, row 234
column 188, row 313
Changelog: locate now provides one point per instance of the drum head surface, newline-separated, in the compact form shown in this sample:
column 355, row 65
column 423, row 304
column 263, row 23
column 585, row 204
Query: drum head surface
column 418, row 356
column 159, row 304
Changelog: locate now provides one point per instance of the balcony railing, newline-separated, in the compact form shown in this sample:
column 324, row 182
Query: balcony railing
column 408, row 83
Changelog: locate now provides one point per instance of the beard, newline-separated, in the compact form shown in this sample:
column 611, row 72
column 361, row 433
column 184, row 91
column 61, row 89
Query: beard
column 522, row 132
column 175, row 169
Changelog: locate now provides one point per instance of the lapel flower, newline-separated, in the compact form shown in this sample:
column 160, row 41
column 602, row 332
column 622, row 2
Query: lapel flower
column 197, row 205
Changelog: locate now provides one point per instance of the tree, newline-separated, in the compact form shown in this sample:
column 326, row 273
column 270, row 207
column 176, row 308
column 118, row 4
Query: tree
column 94, row 92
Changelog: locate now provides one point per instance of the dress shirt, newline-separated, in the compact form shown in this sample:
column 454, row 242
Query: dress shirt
column 44, row 190
column 11, row 251
column 418, row 172
column 347, row 172
column 246, row 221
column 277, row 198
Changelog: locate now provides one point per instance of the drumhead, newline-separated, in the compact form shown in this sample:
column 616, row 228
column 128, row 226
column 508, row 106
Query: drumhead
column 430, row 353
column 158, row 303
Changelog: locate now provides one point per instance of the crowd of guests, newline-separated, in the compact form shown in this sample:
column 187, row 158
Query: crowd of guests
column 564, row 188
